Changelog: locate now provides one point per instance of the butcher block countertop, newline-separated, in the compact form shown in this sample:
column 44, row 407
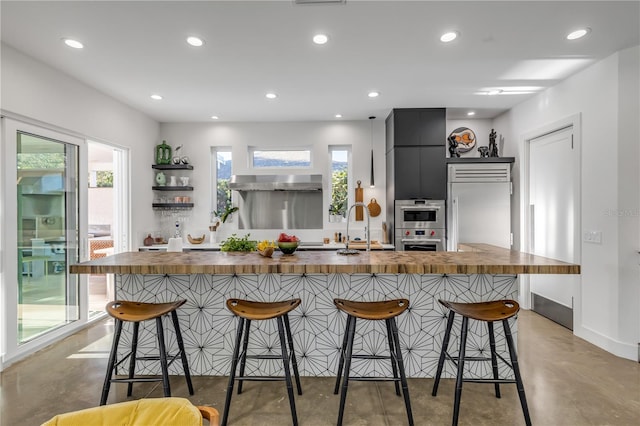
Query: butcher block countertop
column 476, row 259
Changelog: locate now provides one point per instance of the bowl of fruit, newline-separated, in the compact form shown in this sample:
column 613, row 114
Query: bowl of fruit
column 288, row 243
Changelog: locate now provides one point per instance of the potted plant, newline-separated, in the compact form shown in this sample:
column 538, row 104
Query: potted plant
column 224, row 214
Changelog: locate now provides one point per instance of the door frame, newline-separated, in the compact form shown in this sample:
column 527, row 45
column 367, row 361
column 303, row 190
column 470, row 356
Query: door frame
column 574, row 121
column 11, row 351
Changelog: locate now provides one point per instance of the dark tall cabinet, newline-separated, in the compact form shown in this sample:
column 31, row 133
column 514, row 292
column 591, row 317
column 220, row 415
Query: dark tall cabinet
column 415, row 155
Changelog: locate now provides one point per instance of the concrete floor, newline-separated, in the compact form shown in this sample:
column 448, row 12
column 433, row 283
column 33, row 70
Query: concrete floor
column 568, row 382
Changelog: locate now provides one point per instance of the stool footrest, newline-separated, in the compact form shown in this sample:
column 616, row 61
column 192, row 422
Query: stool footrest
column 373, row 379
column 261, row 378
column 264, row 357
column 137, row 379
column 489, row 380
column 371, row 356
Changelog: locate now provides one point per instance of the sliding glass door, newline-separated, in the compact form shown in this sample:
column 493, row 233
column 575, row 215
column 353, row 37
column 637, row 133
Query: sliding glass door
column 47, row 234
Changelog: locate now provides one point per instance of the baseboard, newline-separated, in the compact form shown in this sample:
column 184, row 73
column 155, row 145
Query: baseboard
column 556, row 312
column 621, row 349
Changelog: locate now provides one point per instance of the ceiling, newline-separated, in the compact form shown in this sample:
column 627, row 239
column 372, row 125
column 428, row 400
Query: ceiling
column 135, row 49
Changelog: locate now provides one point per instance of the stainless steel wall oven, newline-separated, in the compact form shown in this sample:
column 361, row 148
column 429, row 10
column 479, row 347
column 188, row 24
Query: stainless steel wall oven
column 420, row 225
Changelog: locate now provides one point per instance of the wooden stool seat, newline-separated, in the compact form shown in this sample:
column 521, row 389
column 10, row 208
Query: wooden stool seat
column 488, row 312
column 261, row 310
column 139, row 311
column 248, row 311
column 382, row 310
column 136, row 312
column 497, row 310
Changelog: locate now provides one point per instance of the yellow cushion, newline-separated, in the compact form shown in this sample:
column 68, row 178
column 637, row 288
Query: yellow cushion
column 143, row 412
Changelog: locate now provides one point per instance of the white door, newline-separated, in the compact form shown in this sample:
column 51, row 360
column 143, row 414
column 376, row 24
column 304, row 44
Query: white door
column 553, row 200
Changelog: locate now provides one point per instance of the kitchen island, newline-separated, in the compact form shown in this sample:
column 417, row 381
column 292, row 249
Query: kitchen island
column 208, row 279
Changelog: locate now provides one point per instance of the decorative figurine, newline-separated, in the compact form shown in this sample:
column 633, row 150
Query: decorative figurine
column 484, row 151
column 453, row 146
column 176, row 157
column 163, row 153
column 493, row 148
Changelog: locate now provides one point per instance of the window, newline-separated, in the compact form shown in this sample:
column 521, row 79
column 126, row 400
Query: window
column 279, row 158
column 340, row 162
column 222, row 171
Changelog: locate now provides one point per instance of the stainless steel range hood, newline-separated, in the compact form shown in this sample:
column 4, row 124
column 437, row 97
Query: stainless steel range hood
column 276, row 182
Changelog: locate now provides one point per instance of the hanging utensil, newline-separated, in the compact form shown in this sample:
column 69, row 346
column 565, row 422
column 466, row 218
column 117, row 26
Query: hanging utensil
column 359, row 199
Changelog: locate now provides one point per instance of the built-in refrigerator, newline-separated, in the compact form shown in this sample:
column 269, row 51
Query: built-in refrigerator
column 479, row 204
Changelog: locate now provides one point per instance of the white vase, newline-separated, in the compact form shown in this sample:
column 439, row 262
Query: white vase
column 213, row 237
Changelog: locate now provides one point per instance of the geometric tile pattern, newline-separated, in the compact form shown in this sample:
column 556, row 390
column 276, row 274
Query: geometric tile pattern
column 208, row 328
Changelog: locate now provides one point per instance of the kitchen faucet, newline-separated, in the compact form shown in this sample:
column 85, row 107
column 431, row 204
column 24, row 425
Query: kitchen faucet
column 367, row 230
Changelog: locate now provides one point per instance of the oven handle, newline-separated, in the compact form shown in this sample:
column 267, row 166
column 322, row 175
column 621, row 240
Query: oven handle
column 419, row 207
column 427, row 240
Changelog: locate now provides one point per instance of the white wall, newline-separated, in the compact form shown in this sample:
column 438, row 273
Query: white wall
column 606, row 96
column 198, row 138
column 42, row 95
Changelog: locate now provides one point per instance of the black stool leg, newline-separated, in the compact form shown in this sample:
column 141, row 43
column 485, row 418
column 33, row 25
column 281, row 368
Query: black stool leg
column 243, row 354
column 403, row 378
column 516, row 371
column 342, row 352
column 494, row 358
column 232, row 375
column 292, row 353
column 132, row 359
column 163, row 358
column 112, row 362
column 461, row 355
column 393, row 360
column 287, row 372
column 183, row 354
column 351, row 331
column 443, row 352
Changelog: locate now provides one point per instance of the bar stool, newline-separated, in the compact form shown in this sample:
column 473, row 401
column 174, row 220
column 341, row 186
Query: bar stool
column 499, row 310
column 248, row 311
column 137, row 312
column 374, row 311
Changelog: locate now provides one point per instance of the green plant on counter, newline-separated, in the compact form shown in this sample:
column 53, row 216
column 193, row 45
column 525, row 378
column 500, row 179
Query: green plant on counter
column 224, row 214
column 234, row 243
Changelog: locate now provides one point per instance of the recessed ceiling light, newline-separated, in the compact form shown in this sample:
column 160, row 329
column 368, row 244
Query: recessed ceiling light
column 494, row 92
column 470, row 113
column 450, row 36
column 574, row 35
column 338, row 115
column 320, row 39
column 271, row 95
column 214, row 117
column 195, row 41
column 156, row 97
column 373, row 94
column 73, row 43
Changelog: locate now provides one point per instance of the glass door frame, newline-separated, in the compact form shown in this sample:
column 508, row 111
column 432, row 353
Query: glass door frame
column 11, row 350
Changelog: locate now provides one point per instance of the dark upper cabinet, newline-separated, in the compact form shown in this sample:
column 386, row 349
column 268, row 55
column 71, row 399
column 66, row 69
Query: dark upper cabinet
column 419, row 172
column 416, row 156
column 416, row 127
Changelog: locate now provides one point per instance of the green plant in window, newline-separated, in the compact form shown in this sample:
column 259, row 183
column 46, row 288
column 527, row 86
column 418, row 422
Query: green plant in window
column 224, row 214
column 339, row 192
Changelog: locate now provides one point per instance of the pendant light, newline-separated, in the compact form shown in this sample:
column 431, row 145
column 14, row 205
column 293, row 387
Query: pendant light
column 372, row 182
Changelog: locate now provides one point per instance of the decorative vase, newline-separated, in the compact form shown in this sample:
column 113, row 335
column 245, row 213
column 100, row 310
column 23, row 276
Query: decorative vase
column 163, row 153
column 161, row 179
column 213, row 237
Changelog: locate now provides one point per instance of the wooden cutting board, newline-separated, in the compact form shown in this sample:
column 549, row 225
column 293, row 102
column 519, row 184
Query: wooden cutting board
column 363, row 246
column 359, row 198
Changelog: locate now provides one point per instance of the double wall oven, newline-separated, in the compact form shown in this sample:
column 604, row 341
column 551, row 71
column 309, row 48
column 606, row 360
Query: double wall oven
column 420, row 225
